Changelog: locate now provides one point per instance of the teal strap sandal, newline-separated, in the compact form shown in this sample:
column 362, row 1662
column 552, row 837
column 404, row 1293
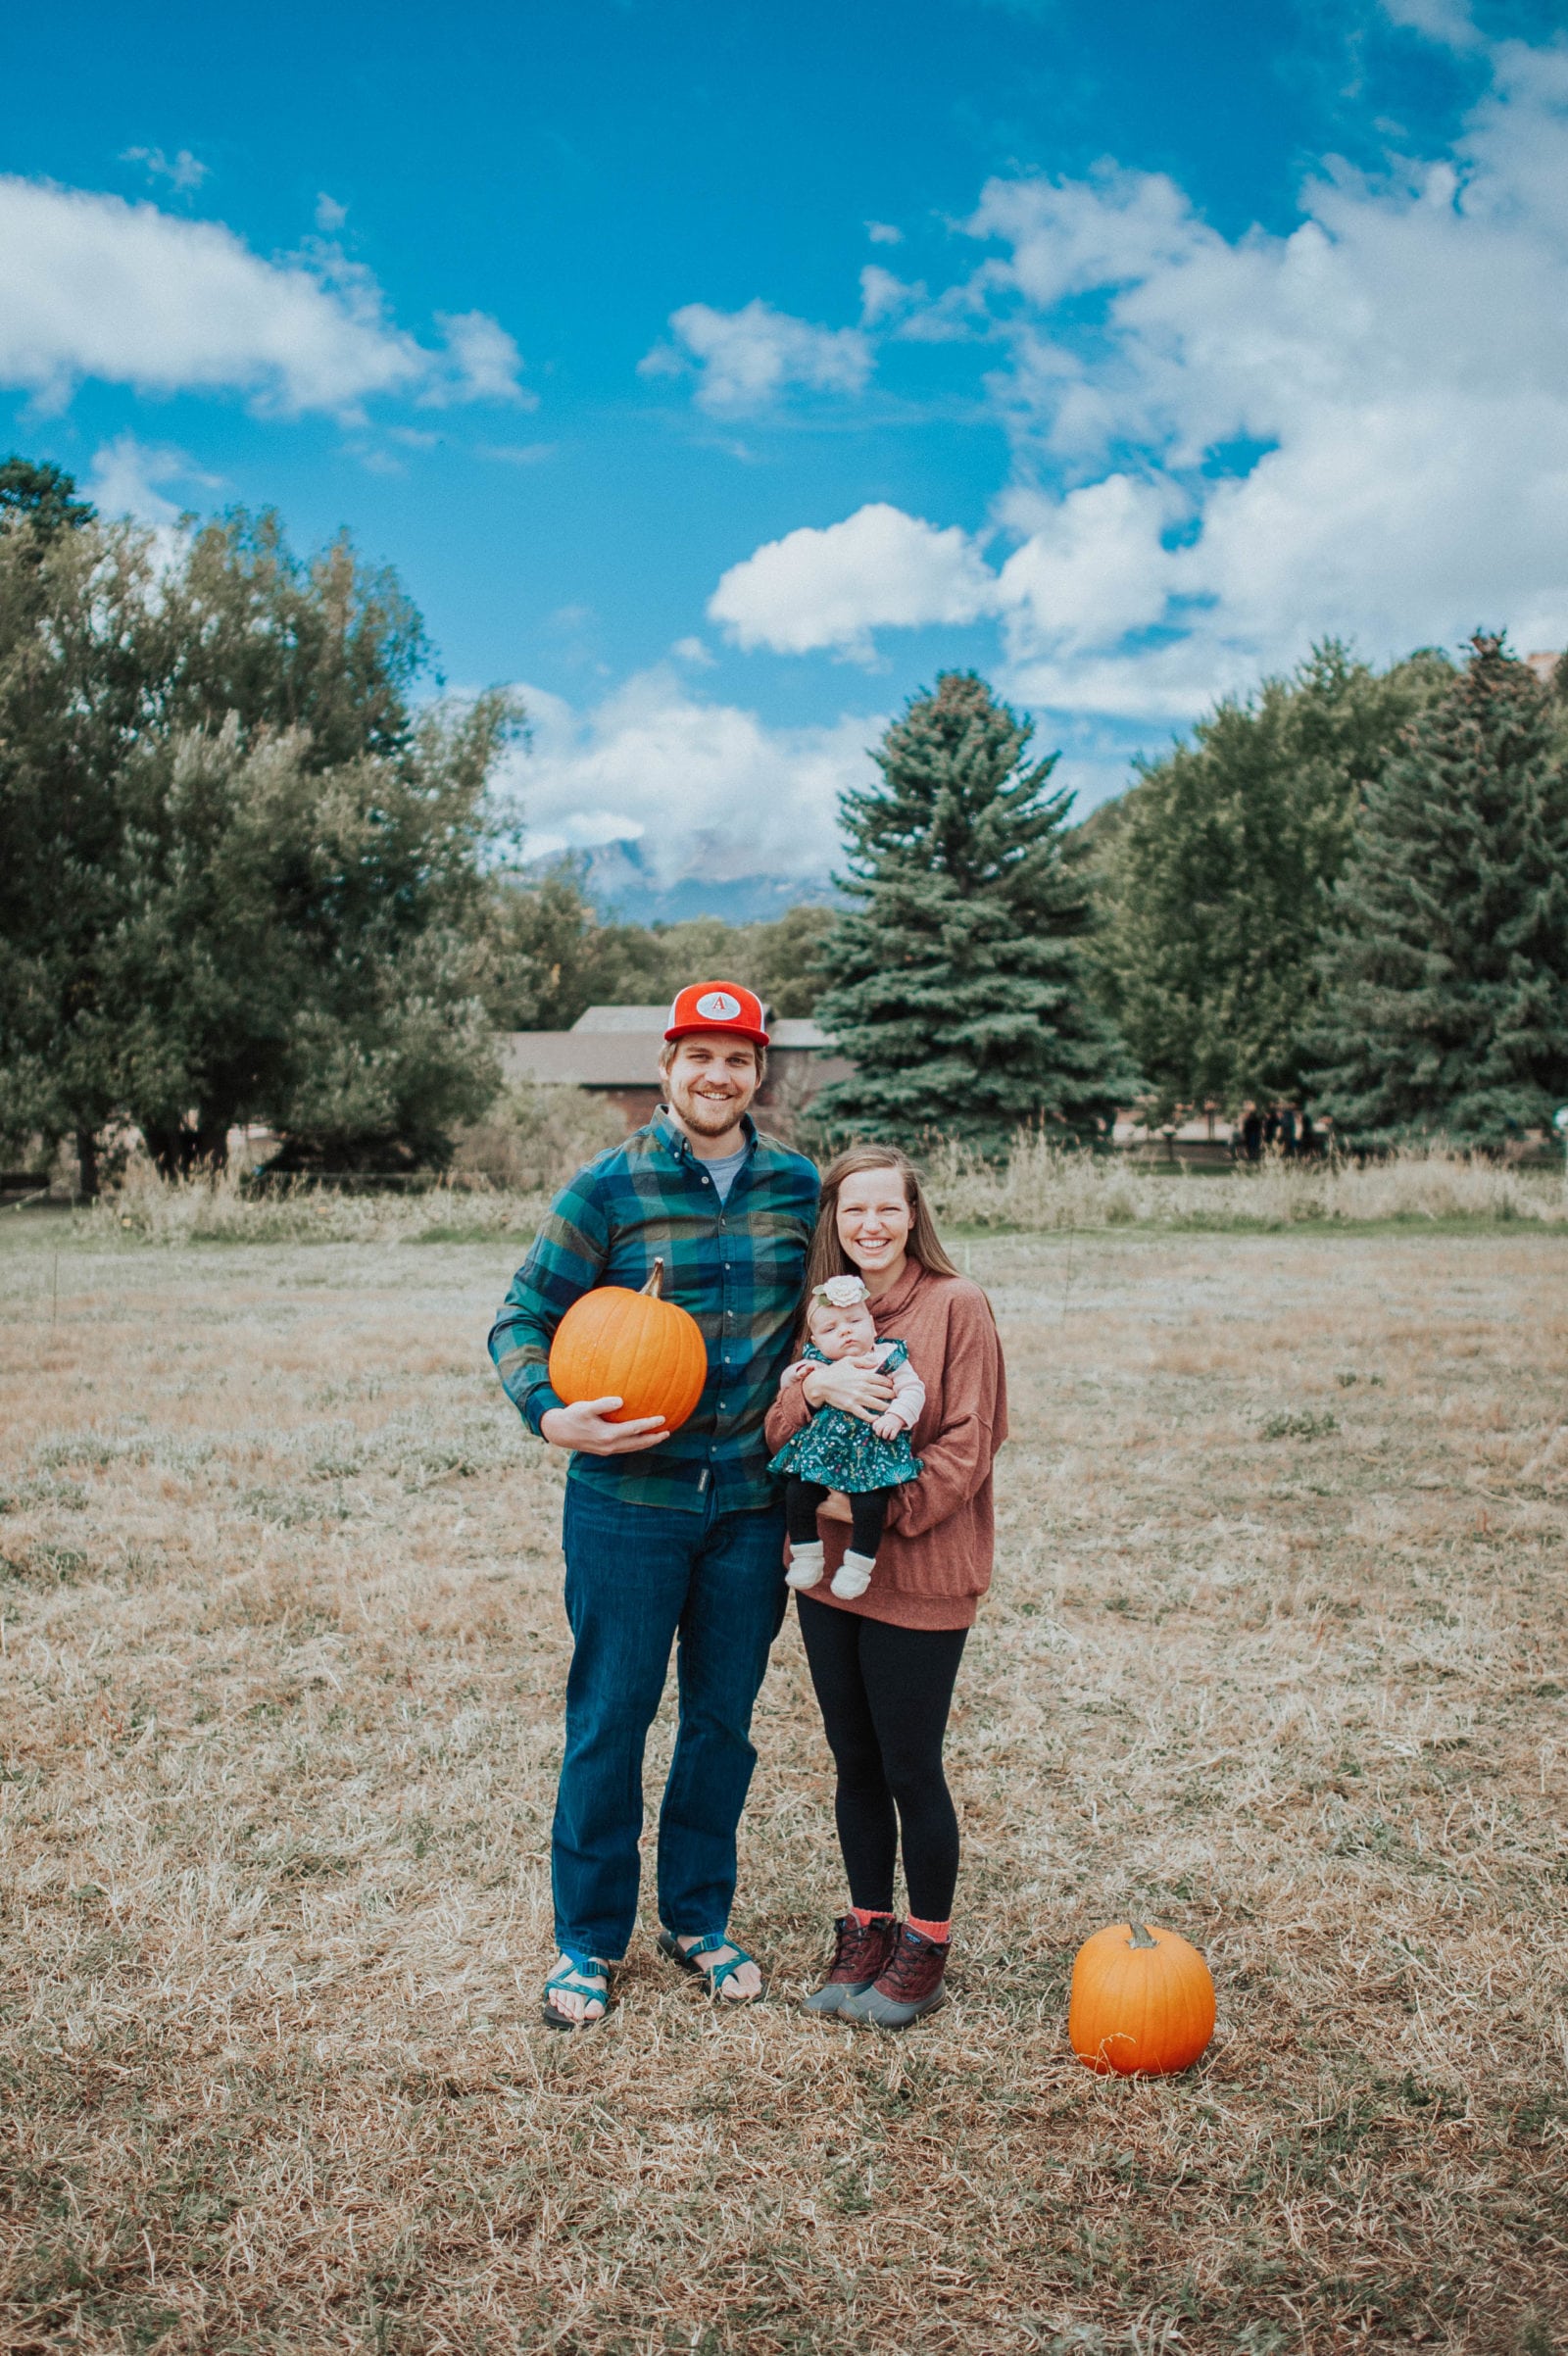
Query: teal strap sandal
column 585, row 1976
column 716, row 1975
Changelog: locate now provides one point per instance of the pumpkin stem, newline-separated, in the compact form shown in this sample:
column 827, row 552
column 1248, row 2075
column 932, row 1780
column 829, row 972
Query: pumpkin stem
column 1139, row 1935
column 655, row 1285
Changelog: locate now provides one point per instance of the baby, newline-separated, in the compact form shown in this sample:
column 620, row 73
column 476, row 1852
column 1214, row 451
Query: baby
column 839, row 1450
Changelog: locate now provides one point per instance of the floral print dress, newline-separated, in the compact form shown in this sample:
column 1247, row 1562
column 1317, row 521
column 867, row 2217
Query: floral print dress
column 839, row 1450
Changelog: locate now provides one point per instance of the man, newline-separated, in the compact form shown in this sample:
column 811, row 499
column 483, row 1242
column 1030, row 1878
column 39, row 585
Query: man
column 669, row 1537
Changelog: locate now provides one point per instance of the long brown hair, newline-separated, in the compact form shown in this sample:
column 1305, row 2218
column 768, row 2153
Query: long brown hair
column 828, row 1257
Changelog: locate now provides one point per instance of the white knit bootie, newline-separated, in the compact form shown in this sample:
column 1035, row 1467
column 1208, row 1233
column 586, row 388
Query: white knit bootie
column 853, row 1574
column 805, row 1565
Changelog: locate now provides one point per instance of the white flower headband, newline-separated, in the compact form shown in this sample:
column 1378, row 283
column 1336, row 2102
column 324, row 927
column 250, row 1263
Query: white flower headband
column 842, row 1292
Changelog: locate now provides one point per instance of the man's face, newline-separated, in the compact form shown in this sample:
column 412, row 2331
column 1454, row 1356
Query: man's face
column 711, row 1080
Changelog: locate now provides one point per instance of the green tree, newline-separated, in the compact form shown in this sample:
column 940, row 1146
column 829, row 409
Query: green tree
column 298, row 944
column 1218, row 867
column 1446, row 975
column 547, row 954
column 46, row 495
column 959, row 984
column 237, row 872
column 80, row 639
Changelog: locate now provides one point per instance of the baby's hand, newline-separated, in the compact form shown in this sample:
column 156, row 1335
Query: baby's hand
column 889, row 1426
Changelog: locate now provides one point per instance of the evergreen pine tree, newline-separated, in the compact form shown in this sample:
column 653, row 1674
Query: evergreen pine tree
column 1446, row 979
column 959, row 986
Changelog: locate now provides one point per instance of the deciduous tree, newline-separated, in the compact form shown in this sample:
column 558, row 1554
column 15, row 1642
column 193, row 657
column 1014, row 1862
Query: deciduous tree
column 1219, row 867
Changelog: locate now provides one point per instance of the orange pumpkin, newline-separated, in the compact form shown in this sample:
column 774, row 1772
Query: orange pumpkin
column 634, row 1347
column 1143, row 1998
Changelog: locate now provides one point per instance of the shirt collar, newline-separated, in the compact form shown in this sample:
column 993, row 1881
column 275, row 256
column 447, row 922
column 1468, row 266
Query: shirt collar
column 673, row 1137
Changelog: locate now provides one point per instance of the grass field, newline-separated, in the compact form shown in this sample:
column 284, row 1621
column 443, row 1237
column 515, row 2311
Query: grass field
column 1278, row 1649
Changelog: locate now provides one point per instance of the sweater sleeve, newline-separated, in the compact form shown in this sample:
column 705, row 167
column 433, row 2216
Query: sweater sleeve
column 956, row 1459
column 788, row 1414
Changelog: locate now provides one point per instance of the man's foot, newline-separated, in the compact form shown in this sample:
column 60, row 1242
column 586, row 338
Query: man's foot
column 853, row 1574
column 729, row 1971
column 576, row 1993
column 861, row 1954
column 910, row 1986
column 806, row 1566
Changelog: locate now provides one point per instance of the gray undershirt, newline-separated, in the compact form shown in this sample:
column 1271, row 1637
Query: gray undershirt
column 724, row 1173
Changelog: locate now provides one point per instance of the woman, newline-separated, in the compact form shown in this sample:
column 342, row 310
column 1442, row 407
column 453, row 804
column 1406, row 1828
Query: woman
column 884, row 1662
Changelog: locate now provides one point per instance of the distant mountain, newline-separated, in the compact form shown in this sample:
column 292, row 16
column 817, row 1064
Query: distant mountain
column 623, row 890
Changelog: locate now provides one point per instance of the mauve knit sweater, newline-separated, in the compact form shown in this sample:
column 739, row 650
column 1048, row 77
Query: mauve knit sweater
column 934, row 1562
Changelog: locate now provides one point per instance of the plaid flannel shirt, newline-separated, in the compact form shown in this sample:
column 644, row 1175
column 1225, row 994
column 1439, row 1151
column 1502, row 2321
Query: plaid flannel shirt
column 739, row 1266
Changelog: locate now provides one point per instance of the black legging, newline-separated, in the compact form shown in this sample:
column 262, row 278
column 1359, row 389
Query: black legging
column 885, row 1693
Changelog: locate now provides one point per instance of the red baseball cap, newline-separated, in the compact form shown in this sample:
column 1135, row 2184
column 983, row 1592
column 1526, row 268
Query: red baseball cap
column 718, row 1007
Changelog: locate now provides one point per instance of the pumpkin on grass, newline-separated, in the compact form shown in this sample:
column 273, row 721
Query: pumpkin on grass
column 1143, row 1998
column 634, row 1347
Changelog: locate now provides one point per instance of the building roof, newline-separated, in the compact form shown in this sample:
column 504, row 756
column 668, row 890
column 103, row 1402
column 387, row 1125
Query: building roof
column 649, row 1022
column 613, row 1055
column 624, row 1018
column 582, row 1058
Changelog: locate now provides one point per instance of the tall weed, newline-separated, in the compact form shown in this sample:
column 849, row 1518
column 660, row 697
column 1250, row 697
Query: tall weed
column 1041, row 1187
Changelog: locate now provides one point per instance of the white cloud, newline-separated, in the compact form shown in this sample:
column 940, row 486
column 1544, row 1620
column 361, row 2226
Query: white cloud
column 1227, row 446
column 184, row 172
column 884, row 296
column 330, row 215
column 882, row 232
column 708, row 789
column 878, row 568
column 1446, row 22
column 746, row 358
column 1391, row 378
column 93, row 287
column 127, row 477
column 485, row 359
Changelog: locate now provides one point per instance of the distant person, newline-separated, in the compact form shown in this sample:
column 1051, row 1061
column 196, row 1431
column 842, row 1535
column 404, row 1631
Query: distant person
column 1271, row 1128
column 1307, row 1138
column 884, row 1661
column 1287, row 1131
column 672, row 1538
column 1253, row 1133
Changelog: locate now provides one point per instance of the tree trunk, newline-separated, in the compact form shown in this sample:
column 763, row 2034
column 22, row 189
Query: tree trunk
column 87, row 1164
column 191, row 1149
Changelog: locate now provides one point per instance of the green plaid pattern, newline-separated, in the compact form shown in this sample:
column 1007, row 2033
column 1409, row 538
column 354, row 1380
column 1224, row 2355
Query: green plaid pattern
column 738, row 1266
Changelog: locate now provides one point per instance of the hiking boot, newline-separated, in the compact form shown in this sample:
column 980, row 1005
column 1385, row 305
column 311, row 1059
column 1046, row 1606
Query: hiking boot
column 863, row 1951
column 908, row 1988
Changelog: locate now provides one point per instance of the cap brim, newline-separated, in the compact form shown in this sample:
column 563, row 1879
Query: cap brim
column 716, row 1030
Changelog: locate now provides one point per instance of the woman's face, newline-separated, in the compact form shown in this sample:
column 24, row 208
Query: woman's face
column 874, row 1220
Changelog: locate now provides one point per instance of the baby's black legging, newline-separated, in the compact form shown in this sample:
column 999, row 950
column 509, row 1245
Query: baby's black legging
column 869, row 1511
column 885, row 1693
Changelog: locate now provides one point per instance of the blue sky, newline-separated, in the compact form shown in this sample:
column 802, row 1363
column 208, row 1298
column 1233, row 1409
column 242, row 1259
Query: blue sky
column 717, row 372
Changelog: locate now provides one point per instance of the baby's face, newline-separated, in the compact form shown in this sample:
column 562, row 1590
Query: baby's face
column 840, row 1333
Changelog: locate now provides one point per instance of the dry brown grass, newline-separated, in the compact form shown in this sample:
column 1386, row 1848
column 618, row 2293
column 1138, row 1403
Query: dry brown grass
column 282, row 1652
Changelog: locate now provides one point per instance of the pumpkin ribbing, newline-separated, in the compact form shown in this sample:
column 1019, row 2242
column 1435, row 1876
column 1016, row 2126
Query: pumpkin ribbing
column 636, row 1347
column 1141, row 1999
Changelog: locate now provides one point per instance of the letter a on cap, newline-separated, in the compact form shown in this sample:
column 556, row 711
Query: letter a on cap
column 718, row 1007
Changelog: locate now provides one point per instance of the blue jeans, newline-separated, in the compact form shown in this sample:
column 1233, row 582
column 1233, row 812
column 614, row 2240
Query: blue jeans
column 640, row 1578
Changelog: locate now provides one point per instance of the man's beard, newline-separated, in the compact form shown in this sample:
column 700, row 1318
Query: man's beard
column 709, row 1117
